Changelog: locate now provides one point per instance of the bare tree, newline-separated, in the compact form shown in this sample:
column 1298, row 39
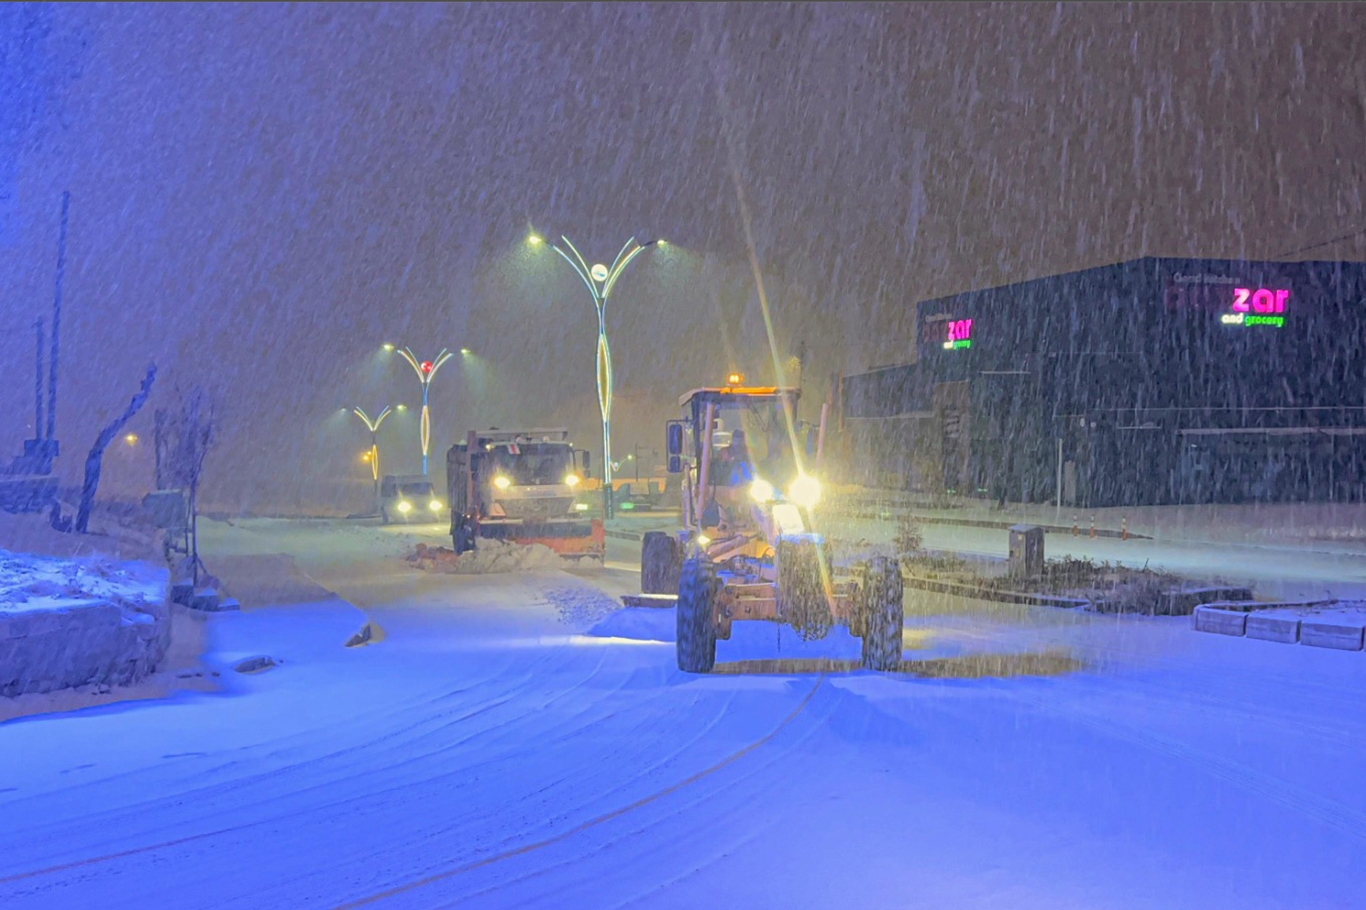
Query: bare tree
column 95, row 460
column 184, row 435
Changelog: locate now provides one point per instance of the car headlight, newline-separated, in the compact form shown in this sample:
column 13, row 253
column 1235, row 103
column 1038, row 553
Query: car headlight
column 761, row 490
column 572, row 479
column 502, row 482
column 405, row 506
column 805, row 491
column 434, row 505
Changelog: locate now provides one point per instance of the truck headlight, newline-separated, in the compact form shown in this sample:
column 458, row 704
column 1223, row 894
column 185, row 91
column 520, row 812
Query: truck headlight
column 502, row 482
column 805, row 491
column 761, row 490
column 434, row 505
column 571, row 479
column 405, row 506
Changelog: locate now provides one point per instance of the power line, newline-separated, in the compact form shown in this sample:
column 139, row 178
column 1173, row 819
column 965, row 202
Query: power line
column 1305, row 249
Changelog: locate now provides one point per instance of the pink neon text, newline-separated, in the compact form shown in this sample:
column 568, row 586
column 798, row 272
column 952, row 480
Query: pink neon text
column 1261, row 300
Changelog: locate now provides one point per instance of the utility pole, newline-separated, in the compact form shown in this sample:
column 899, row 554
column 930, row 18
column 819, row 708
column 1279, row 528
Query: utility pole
column 57, row 322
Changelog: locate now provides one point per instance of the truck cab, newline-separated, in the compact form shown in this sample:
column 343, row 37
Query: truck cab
column 522, row 486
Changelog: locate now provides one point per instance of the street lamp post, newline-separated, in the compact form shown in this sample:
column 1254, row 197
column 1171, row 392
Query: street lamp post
column 373, row 426
column 600, row 279
column 426, row 371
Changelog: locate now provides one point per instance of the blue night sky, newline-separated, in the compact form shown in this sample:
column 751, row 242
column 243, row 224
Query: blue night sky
column 261, row 195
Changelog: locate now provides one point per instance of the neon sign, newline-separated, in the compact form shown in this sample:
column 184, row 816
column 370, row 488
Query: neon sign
column 959, row 334
column 1259, row 306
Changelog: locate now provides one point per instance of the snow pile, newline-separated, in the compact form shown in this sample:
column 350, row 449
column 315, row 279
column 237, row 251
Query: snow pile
column 638, row 623
column 31, row 582
column 582, row 604
column 490, row 557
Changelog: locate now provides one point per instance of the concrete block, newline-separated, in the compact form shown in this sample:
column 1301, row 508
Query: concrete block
column 1331, row 635
column 1221, row 622
column 1274, row 628
column 205, row 599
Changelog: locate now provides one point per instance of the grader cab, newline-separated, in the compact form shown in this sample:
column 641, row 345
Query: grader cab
column 748, row 548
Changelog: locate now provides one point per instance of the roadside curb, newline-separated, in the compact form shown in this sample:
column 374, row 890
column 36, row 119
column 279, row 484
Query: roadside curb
column 997, row 524
column 979, row 593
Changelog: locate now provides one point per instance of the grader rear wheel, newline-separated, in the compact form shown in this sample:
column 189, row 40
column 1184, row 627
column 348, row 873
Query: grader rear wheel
column 696, row 616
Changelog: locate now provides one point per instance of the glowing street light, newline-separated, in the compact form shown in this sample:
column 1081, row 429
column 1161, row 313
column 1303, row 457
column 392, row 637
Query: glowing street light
column 600, row 279
column 372, row 456
column 426, row 371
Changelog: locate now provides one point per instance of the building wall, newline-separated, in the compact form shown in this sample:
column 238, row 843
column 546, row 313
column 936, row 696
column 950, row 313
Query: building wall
column 1165, row 379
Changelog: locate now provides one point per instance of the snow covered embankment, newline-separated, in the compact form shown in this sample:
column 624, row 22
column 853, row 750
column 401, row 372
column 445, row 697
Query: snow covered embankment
column 76, row 622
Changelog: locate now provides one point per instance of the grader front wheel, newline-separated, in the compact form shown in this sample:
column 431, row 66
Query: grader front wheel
column 803, row 597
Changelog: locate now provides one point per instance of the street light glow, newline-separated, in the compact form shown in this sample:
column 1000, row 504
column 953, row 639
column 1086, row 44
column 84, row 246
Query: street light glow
column 426, row 372
column 600, row 279
column 372, row 457
column 534, row 240
column 131, row 439
column 465, row 351
column 387, row 346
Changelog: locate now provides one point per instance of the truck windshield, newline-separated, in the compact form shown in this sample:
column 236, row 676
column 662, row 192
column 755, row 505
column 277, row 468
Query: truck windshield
column 536, row 464
column 416, row 490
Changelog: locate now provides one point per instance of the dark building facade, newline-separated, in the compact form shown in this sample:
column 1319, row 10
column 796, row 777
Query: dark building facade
column 1150, row 381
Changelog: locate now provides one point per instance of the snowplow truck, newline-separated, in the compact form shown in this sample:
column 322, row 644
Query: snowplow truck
column 748, row 548
column 521, row 486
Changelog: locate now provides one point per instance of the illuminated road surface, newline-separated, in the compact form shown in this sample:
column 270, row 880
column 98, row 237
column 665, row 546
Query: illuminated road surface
column 511, row 742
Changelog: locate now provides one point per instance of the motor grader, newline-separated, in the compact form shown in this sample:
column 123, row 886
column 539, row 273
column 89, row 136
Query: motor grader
column 748, row 548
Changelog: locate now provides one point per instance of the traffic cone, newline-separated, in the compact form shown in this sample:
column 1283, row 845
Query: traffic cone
column 1124, row 529
column 1075, row 529
column 1093, row 527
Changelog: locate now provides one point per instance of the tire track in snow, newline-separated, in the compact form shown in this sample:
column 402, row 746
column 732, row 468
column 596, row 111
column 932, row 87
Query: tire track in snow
column 1288, row 794
column 228, row 788
column 593, row 822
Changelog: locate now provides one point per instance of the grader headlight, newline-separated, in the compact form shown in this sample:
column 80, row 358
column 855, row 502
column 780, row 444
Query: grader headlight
column 805, row 491
column 762, row 491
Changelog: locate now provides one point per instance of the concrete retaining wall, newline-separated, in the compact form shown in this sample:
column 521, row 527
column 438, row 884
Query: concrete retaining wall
column 1331, row 635
column 1319, row 633
column 90, row 643
column 1285, row 629
column 1223, row 622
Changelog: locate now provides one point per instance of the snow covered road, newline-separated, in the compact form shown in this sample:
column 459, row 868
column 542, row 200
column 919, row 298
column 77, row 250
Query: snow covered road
column 512, row 743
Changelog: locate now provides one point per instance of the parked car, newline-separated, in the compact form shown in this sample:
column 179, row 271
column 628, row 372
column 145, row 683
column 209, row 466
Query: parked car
column 409, row 499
